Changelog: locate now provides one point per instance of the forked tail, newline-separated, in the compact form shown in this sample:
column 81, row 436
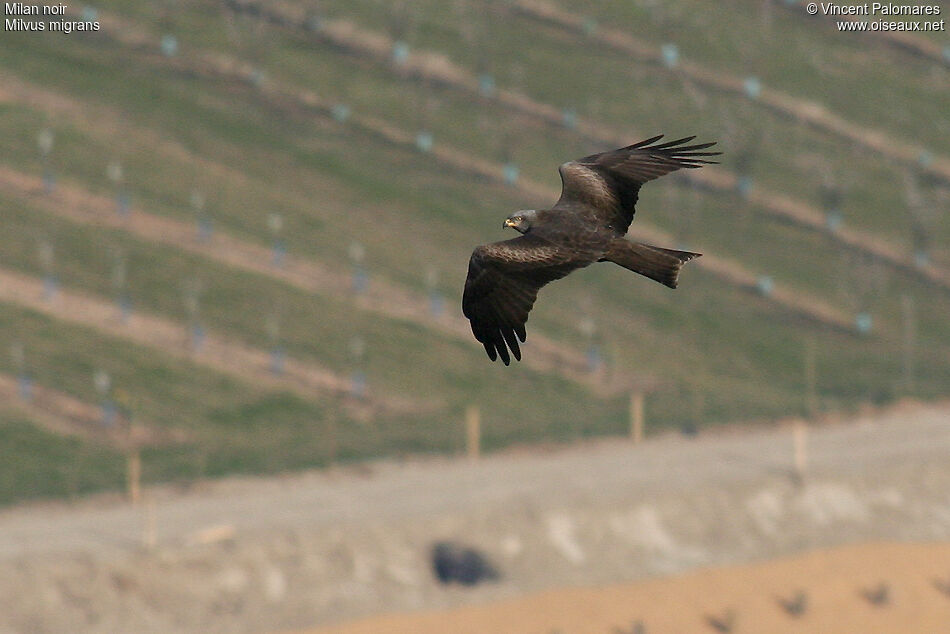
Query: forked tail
column 657, row 263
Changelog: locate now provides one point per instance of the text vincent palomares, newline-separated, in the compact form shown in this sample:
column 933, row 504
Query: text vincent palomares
column 878, row 8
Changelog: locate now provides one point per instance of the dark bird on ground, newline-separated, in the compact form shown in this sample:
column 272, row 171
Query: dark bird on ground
column 586, row 225
column 725, row 623
column 880, row 595
column 456, row 563
column 637, row 628
column 795, row 606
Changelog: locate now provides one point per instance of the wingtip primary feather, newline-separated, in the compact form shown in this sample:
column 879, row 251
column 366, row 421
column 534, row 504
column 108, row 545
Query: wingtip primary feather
column 502, row 349
column 509, row 335
column 637, row 146
column 698, row 146
column 670, row 144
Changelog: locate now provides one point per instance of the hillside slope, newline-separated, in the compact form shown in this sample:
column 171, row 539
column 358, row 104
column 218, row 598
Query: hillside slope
column 236, row 129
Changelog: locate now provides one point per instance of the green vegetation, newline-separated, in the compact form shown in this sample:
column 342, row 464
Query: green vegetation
column 719, row 353
column 801, row 56
column 37, row 464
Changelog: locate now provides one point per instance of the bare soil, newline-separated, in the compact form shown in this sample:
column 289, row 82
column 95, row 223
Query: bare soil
column 834, row 583
column 326, row 548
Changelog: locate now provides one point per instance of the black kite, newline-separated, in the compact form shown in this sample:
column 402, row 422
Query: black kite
column 587, row 225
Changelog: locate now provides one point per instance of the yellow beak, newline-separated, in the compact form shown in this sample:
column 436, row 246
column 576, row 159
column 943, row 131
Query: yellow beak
column 508, row 223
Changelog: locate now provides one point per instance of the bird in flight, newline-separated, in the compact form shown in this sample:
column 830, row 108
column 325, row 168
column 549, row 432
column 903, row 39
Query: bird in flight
column 586, row 225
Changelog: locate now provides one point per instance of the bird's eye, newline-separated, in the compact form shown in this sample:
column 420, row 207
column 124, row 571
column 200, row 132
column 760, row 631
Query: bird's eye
column 519, row 218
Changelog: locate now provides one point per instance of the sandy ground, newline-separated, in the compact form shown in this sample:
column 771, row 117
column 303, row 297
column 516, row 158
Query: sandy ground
column 834, row 583
column 325, row 548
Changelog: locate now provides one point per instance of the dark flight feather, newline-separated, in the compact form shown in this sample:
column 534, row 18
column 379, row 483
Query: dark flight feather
column 620, row 173
column 502, row 285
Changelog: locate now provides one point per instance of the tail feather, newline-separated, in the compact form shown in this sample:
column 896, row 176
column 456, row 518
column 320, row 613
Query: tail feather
column 657, row 263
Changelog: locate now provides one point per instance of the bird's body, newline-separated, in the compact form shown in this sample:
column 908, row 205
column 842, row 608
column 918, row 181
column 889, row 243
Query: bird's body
column 586, row 225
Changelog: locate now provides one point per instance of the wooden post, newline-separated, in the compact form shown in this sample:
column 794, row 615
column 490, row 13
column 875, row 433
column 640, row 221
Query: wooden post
column 149, row 532
column 908, row 314
column 134, row 475
column 766, row 15
column 799, row 432
column 699, row 406
column 332, row 440
column 811, row 378
column 473, row 429
column 636, row 417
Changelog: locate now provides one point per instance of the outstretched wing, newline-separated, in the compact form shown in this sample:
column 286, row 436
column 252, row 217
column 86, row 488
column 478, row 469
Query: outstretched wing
column 607, row 184
column 502, row 285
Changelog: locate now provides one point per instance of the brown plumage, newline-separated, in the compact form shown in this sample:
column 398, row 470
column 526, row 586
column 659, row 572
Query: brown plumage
column 586, row 225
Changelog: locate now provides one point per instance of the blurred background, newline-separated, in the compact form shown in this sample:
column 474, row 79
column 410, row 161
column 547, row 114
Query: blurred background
column 235, row 234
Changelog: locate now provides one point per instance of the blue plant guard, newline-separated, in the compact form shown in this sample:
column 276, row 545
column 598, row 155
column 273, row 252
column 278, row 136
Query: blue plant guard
column 744, row 185
column 340, row 112
column 436, row 304
column 25, row 387
column 205, row 228
column 834, row 219
column 360, row 280
column 400, row 52
column 486, row 85
column 258, row 77
column 569, row 118
column 108, row 413
column 670, row 53
column 589, row 26
column 424, row 141
column 752, row 87
column 169, row 45
column 279, row 253
column 49, row 181
column 510, row 173
column 277, row 360
column 315, row 22
column 123, row 203
column 50, row 287
column 197, row 337
column 594, row 359
column 125, row 307
column 358, row 384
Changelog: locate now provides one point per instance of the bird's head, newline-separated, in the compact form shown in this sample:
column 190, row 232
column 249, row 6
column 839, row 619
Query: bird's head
column 521, row 221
